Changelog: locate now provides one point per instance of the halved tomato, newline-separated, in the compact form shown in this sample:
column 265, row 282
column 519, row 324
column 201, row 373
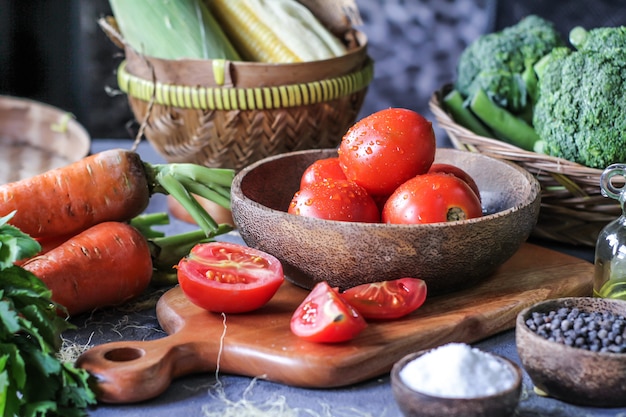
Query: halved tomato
column 387, row 300
column 325, row 317
column 229, row 278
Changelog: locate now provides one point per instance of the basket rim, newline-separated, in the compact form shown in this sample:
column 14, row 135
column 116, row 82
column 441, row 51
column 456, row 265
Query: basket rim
column 465, row 138
column 245, row 98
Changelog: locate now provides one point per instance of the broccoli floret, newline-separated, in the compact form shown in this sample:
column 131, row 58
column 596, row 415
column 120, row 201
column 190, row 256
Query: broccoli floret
column 601, row 39
column 495, row 62
column 580, row 110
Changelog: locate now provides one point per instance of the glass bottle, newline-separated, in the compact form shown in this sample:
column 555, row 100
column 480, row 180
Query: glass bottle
column 610, row 257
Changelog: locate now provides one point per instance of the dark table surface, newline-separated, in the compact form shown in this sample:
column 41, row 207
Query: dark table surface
column 217, row 394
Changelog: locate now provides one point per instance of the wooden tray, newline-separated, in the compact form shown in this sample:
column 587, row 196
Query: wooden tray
column 260, row 344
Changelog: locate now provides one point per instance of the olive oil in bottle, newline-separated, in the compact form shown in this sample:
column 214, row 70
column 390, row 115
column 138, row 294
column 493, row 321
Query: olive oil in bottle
column 610, row 257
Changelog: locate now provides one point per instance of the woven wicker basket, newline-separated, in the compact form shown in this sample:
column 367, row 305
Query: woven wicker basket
column 573, row 210
column 36, row 137
column 230, row 114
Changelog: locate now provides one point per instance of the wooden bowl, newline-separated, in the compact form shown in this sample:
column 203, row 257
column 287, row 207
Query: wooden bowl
column 36, row 137
column 448, row 256
column 417, row 404
column 570, row 374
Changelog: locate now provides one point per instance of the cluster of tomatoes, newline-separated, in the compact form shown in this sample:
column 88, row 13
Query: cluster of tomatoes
column 385, row 172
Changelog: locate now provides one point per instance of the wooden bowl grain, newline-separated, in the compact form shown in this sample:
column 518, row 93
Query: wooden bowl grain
column 448, row 256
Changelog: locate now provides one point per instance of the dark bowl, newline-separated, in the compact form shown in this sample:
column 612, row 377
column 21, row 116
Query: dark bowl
column 448, row 256
column 417, row 404
column 570, row 374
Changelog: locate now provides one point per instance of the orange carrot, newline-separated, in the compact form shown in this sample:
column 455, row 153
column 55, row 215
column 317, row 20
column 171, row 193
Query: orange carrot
column 105, row 265
column 114, row 185
column 112, row 262
column 104, row 186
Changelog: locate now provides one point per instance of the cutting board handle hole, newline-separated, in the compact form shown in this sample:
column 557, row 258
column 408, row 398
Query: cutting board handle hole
column 124, row 354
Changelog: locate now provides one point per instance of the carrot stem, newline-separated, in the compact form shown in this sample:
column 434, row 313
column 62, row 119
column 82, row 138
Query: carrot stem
column 167, row 251
column 216, row 194
column 177, row 190
column 199, row 173
column 180, row 180
column 145, row 222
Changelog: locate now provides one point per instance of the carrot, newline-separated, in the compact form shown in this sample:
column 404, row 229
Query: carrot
column 113, row 185
column 105, row 265
column 113, row 262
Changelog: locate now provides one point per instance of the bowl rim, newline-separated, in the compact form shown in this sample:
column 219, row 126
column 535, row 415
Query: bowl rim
column 509, row 363
column 529, row 200
column 40, row 111
column 560, row 302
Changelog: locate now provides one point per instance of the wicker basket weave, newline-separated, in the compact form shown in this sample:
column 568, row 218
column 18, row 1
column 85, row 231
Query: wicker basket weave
column 230, row 114
column 573, row 210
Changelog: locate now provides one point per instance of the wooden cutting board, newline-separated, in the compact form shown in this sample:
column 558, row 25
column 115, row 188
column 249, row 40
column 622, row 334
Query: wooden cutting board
column 260, row 344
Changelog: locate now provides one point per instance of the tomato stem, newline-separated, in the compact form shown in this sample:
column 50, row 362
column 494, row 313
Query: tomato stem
column 455, row 214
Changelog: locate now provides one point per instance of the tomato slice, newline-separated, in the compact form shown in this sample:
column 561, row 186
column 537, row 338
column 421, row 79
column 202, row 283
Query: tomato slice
column 325, row 317
column 229, row 278
column 387, row 300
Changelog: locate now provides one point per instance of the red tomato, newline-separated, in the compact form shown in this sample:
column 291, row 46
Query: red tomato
column 387, row 148
column 322, row 169
column 219, row 213
column 432, row 198
column 459, row 173
column 335, row 200
column 229, row 278
column 325, row 317
column 387, row 300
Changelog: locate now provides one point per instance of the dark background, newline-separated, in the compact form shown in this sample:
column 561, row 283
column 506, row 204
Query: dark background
column 53, row 50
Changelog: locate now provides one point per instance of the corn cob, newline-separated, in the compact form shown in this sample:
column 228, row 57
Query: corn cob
column 275, row 31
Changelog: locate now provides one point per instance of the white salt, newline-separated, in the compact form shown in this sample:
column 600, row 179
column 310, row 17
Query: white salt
column 457, row 370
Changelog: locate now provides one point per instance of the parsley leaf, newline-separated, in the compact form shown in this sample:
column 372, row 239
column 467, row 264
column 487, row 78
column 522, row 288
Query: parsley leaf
column 33, row 382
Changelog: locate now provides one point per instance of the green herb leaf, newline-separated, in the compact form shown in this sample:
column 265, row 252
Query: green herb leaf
column 33, row 381
column 14, row 244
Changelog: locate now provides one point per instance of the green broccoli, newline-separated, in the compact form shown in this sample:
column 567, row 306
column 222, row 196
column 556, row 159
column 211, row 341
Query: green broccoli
column 579, row 113
column 498, row 62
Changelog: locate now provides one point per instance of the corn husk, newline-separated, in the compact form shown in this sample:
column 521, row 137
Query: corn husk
column 172, row 29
